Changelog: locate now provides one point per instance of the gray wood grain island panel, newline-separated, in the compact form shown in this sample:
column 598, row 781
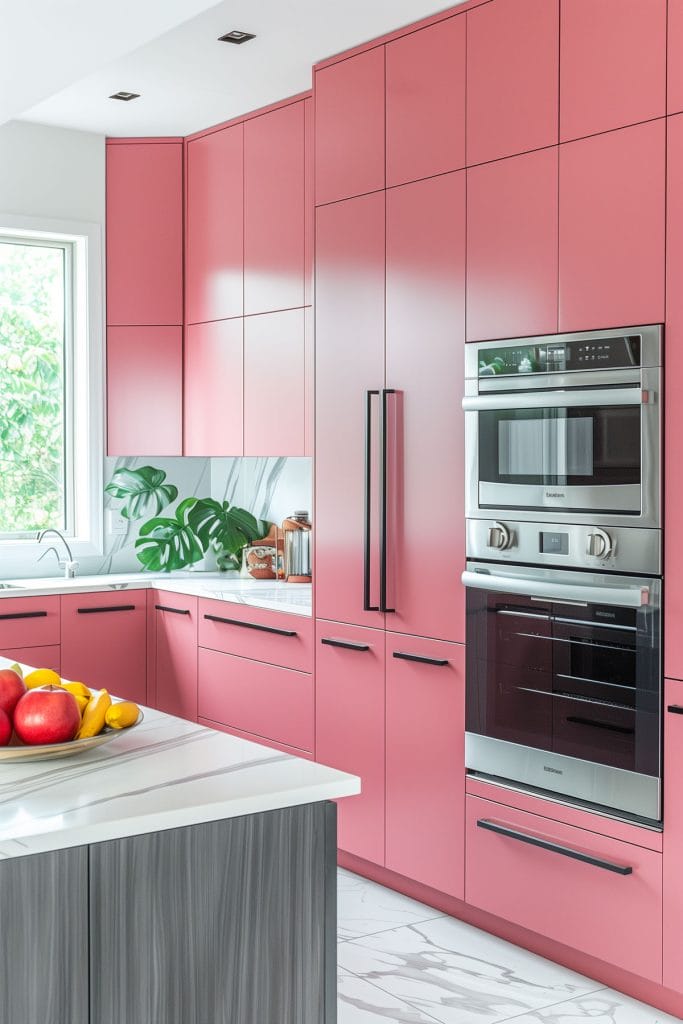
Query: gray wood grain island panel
column 44, row 916
column 230, row 922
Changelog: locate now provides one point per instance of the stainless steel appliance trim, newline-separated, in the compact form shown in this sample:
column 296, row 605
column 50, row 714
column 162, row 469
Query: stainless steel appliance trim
column 556, row 380
column 626, row 596
column 625, row 498
column 570, row 399
column 615, row 788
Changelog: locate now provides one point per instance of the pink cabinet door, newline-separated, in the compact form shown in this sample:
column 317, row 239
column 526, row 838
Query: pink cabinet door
column 278, row 638
column 512, row 78
column 144, row 390
column 349, row 728
column 425, row 762
column 597, row 909
column 309, row 201
column 104, row 641
column 350, row 283
column 426, row 102
column 612, row 65
column 674, row 103
column 274, row 210
column 612, row 229
column 213, row 390
column 29, row 621
column 214, row 229
column 275, row 383
column 673, row 835
column 145, row 233
column 425, row 308
column 349, row 127
column 175, row 639
column 512, row 225
column 36, row 657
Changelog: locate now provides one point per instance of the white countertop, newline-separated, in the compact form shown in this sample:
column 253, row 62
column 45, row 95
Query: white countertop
column 293, row 598
column 165, row 773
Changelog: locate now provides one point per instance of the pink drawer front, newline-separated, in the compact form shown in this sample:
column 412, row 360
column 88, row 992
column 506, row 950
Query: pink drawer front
column 36, row 657
column 264, row 741
column 273, row 637
column 29, row 622
column 264, row 700
column 595, row 894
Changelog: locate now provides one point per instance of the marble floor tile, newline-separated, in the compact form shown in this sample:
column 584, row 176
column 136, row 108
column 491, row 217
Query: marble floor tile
column 458, row 974
column 362, row 1003
column 603, row 1007
column 364, row 908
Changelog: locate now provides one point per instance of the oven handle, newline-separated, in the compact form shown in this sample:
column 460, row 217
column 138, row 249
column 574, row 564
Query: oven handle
column 558, row 399
column 622, row 597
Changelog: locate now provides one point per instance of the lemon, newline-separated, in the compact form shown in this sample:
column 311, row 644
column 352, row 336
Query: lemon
column 122, row 715
column 42, row 677
column 93, row 717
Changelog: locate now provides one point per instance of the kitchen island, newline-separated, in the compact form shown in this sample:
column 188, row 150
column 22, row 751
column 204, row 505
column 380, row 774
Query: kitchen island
column 176, row 875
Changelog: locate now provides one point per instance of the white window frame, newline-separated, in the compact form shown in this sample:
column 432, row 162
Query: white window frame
column 85, row 396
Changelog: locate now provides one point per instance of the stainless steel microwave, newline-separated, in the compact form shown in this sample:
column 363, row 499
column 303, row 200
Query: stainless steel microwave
column 566, row 427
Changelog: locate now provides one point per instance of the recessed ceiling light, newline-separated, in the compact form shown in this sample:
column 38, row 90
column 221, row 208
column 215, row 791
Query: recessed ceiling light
column 236, row 37
column 125, row 96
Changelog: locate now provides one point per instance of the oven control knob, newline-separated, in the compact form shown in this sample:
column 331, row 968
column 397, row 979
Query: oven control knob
column 499, row 537
column 599, row 544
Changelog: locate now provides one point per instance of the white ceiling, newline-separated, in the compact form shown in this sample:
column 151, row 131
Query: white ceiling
column 188, row 80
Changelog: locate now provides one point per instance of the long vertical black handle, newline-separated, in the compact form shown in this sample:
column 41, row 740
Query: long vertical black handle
column 367, row 510
column 384, row 432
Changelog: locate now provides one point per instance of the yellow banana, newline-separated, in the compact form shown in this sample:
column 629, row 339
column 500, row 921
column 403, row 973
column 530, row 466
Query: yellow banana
column 94, row 715
column 122, row 715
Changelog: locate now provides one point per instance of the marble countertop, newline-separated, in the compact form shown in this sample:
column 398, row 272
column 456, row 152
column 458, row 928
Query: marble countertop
column 293, row 598
column 165, row 773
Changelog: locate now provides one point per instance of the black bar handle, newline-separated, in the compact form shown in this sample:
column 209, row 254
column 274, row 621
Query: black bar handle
column 107, row 608
column 442, row 662
column 545, row 844
column 167, row 608
column 24, row 615
column 252, row 625
column 595, row 724
column 347, row 644
column 384, row 432
column 675, row 709
column 367, row 505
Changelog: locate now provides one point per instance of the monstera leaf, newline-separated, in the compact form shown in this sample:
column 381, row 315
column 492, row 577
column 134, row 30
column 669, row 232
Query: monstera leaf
column 165, row 544
column 225, row 528
column 143, row 491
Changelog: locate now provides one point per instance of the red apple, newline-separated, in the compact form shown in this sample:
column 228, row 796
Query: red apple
column 47, row 714
column 12, row 688
column 5, row 728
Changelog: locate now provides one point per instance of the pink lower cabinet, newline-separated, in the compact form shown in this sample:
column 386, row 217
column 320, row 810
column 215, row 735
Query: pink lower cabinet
column 673, row 835
column 277, row 638
column 36, row 657
column 425, row 761
column 175, row 654
column 595, row 894
column 28, row 622
column 257, row 698
column 349, row 722
column 104, row 641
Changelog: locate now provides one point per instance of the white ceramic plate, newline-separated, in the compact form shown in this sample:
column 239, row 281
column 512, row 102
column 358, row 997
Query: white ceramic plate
column 17, row 751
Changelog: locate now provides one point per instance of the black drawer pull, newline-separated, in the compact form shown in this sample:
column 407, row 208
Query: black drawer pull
column 420, row 658
column 675, row 709
column 252, row 625
column 24, row 615
column 346, row 644
column 593, row 722
column 545, row 844
column 176, row 611
column 107, row 608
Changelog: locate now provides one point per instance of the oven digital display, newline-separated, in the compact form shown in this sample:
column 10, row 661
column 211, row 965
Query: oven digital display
column 559, row 356
column 554, row 543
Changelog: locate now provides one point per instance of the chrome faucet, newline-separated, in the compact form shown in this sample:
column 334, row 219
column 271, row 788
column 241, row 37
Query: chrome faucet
column 68, row 564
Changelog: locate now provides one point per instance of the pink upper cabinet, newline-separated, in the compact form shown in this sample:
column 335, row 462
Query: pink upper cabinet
column 674, row 102
column 426, row 102
column 214, row 239
column 512, row 223
column 275, row 383
column 673, row 835
column 309, row 201
column 612, row 229
column 145, row 233
column 612, row 64
column 274, row 210
column 349, row 127
column 512, row 78
column 214, row 388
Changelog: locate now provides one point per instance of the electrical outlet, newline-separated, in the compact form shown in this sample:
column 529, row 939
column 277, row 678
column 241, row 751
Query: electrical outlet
column 116, row 524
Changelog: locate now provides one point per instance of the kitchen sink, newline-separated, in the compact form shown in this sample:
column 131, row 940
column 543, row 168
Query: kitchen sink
column 11, row 586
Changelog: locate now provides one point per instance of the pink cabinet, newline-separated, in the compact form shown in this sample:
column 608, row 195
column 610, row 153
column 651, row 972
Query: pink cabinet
column 512, row 78
column 277, row 638
column 309, row 201
column 274, row 223
column 425, row 326
column 350, row 285
column 275, row 383
column 673, row 835
column 593, row 893
column 512, row 226
column 214, row 226
column 104, row 641
column 214, row 388
column 612, row 229
column 425, row 762
column 145, row 233
column 174, row 618
column 425, row 97
column 36, row 657
column 349, row 722
column 144, row 390
column 349, row 127
column 29, row 622
column 674, row 102
column 612, row 65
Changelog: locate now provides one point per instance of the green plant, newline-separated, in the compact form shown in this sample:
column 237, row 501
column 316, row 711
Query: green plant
column 143, row 491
